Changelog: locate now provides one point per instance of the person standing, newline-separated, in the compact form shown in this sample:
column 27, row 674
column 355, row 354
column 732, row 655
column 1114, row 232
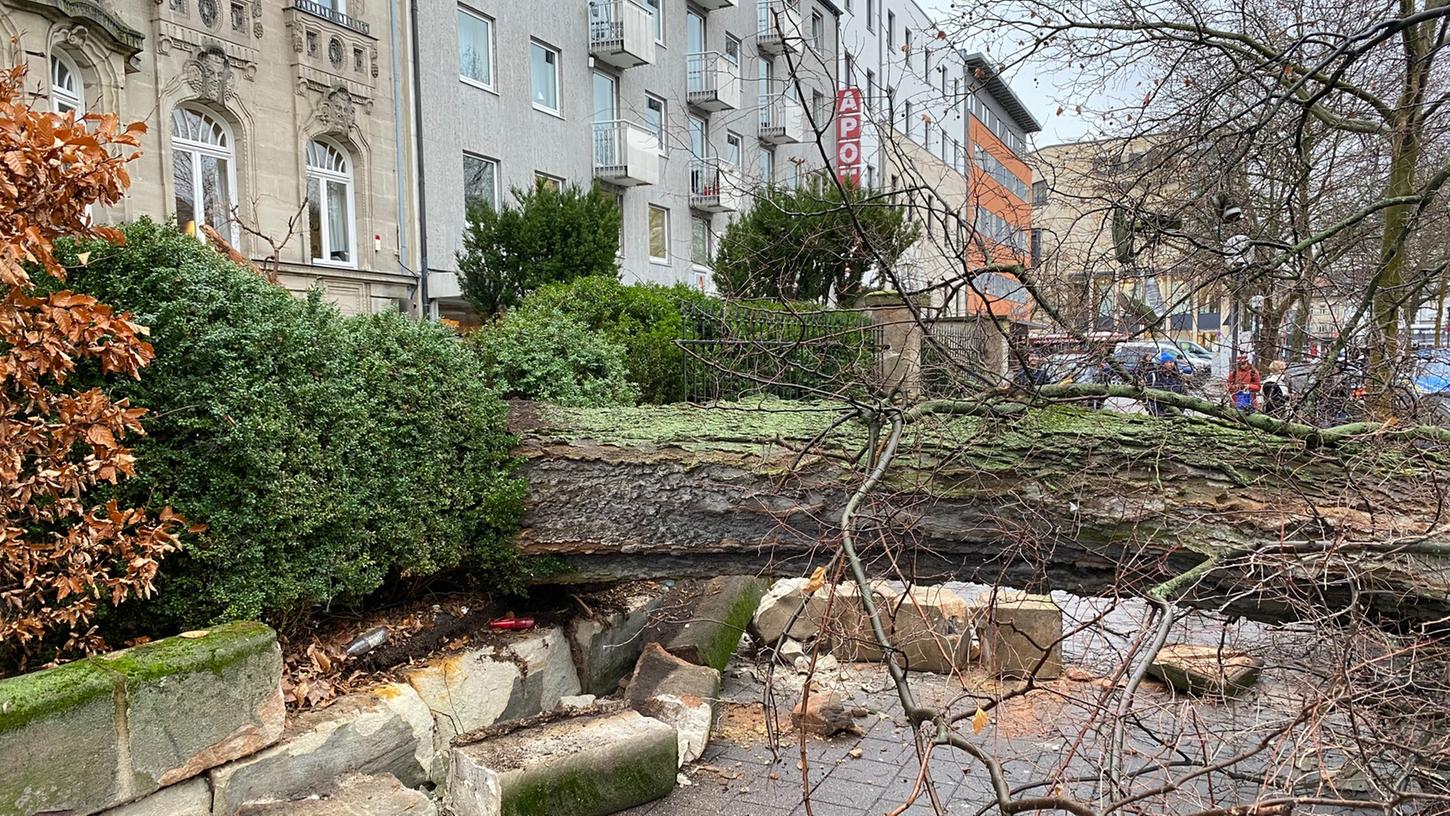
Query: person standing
column 1276, row 392
column 1165, row 376
column 1244, row 384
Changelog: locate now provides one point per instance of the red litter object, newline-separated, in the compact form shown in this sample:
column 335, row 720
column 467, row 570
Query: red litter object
column 512, row 624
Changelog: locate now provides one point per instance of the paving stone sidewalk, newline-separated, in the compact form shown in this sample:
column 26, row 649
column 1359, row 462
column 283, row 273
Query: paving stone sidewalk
column 739, row 776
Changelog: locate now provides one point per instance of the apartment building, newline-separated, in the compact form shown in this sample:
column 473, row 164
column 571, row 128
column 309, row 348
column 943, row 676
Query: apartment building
column 1111, row 247
column 344, row 140
column 271, row 122
column 942, row 120
column 680, row 109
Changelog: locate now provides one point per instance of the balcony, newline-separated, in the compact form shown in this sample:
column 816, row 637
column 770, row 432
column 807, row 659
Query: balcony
column 716, row 186
column 713, row 82
column 621, row 33
column 327, row 12
column 625, row 154
column 778, row 26
column 715, row 5
column 782, row 121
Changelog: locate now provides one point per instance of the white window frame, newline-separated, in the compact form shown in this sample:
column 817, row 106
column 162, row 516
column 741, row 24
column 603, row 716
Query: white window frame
column 198, row 149
column 486, row 160
column 548, row 178
column 699, row 126
column 732, row 40
column 734, row 143
column 664, row 116
column 74, row 96
column 696, row 220
column 558, row 79
column 492, row 50
column 657, row 11
column 818, row 32
column 649, row 227
column 324, row 175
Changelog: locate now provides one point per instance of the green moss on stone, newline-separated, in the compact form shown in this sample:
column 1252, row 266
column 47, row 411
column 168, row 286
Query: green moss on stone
column 38, row 694
column 578, row 788
column 721, row 646
column 216, row 651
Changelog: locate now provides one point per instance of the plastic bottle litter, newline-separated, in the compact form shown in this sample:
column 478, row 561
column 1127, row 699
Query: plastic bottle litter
column 367, row 641
column 512, row 624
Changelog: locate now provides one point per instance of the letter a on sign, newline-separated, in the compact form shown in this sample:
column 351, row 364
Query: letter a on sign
column 848, row 134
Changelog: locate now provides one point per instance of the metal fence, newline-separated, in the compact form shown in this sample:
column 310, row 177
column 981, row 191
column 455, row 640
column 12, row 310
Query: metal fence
column 952, row 359
column 735, row 350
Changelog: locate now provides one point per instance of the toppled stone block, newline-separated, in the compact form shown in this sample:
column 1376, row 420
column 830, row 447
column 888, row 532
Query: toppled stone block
column 702, row 621
column 352, row 795
column 548, row 672
column 591, row 765
column 824, row 714
column 1019, row 634
column 111, row 729
column 787, row 610
column 678, row 693
column 58, row 744
column 386, row 731
column 1205, row 669
column 491, row 684
column 607, row 643
column 189, row 798
column 851, row 635
column 201, row 699
column 659, row 672
column 926, row 627
column 690, row 716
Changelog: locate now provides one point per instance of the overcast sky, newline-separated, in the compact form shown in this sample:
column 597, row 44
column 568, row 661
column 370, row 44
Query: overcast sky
column 1038, row 85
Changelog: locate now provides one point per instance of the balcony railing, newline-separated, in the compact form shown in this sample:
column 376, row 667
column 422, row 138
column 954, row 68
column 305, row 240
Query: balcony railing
column 778, row 25
column 715, row 185
column 782, row 121
column 625, row 153
column 329, row 13
column 712, row 81
column 621, row 32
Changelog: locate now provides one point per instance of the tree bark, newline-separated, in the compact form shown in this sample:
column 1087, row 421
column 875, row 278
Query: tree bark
column 1054, row 498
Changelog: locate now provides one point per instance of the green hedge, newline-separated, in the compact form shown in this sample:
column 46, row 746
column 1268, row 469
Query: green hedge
column 540, row 353
column 644, row 319
column 325, row 454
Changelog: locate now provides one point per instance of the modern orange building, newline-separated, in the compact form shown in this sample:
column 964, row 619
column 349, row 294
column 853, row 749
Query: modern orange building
column 999, row 196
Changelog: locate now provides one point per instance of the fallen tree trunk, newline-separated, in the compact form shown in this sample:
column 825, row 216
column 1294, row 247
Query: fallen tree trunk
column 1055, row 498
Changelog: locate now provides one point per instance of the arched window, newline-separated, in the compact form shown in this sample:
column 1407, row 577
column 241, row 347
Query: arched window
column 67, row 90
column 329, row 205
column 204, row 172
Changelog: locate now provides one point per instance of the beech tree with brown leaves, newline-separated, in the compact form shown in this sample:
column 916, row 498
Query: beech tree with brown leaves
column 62, row 557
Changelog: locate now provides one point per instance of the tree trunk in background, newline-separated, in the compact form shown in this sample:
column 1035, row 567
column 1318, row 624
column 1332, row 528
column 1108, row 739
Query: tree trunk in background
column 1089, row 502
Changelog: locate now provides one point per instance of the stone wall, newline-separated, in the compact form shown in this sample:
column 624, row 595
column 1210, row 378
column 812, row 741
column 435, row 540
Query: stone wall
column 101, row 732
column 195, row 725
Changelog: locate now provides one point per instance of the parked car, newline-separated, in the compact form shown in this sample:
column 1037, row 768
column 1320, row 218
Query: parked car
column 1194, row 360
column 1072, row 367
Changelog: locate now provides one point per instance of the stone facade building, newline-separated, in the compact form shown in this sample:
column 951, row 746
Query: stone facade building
column 342, row 141
column 273, row 122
